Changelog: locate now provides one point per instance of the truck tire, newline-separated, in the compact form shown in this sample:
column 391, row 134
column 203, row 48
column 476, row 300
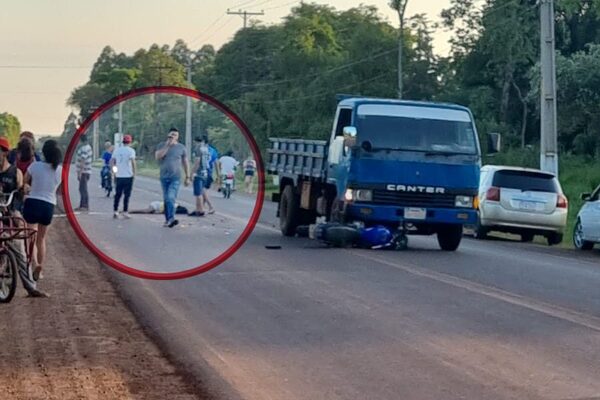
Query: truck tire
column 288, row 211
column 449, row 237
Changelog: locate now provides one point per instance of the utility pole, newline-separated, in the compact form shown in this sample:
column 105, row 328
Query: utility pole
column 121, row 117
column 548, row 134
column 95, row 141
column 160, row 69
column 188, row 115
column 95, row 129
column 244, row 14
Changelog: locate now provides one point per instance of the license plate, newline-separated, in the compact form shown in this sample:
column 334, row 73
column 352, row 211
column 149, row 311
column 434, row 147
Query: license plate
column 415, row 213
column 528, row 205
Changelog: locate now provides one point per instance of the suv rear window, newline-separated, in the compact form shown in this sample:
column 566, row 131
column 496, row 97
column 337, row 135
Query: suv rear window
column 526, row 181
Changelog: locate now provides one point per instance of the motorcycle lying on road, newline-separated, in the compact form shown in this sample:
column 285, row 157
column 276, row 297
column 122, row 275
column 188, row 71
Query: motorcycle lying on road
column 349, row 235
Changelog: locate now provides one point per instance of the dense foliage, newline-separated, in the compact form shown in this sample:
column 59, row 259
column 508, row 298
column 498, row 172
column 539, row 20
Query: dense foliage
column 282, row 79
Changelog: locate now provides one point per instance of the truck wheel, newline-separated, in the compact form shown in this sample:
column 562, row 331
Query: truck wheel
column 449, row 237
column 288, row 212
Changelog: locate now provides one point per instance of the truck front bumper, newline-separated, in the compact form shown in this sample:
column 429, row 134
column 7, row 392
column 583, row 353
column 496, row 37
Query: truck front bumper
column 389, row 214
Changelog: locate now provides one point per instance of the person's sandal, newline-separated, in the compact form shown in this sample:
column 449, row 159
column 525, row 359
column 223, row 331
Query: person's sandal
column 38, row 294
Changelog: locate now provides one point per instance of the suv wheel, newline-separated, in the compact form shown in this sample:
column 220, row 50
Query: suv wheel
column 527, row 237
column 554, row 238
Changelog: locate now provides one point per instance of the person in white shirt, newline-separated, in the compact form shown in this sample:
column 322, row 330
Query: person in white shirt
column 124, row 159
column 227, row 166
column 43, row 178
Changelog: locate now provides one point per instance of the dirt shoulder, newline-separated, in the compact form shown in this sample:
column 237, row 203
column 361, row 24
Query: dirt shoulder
column 82, row 342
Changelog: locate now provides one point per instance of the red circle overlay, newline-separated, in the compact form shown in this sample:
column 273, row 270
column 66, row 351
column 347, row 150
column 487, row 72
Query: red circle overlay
column 171, row 275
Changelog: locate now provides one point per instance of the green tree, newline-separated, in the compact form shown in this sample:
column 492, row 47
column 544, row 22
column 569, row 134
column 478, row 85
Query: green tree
column 10, row 127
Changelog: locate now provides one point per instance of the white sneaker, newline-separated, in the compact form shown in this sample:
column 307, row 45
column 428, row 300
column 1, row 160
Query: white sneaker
column 126, row 215
column 116, row 215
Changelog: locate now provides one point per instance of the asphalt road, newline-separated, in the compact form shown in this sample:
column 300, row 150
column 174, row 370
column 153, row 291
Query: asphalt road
column 494, row 320
column 143, row 243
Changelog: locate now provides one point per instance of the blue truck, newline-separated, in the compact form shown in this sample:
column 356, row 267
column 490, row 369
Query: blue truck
column 406, row 165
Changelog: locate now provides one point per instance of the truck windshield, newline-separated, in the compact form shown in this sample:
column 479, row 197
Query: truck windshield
column 416, row 128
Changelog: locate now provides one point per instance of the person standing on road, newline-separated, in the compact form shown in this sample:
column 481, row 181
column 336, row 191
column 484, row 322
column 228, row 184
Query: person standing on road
column 249, row 171
column 11, row 179
column 25, row 156
column 124, row 159
column 13, row 155
column 84, row 171
column 212, row 164
column 200, row 173
column 171, row 156
column 44, row 178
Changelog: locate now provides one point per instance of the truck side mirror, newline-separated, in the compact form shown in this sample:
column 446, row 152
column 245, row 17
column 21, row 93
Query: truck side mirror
column 349, row 133
column 494, row 143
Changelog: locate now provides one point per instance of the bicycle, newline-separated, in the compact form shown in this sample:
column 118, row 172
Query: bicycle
column 12, row 228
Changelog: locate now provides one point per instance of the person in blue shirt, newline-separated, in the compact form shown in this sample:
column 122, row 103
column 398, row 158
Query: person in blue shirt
column 105, row 172
column 214, row 156
column 107, row 155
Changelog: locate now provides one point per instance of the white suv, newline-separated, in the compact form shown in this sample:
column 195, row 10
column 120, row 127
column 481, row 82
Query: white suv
column 587, row 229
column 523, row 201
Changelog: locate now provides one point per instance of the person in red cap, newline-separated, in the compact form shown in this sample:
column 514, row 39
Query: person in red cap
column 124, row 159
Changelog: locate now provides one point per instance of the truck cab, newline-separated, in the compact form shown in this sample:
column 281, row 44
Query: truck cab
column 398, row 163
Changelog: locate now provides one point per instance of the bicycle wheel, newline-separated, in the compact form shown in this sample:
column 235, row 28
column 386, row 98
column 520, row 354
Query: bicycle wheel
column 8, row 276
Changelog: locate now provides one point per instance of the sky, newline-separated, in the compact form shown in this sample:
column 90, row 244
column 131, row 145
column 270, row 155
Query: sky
column 47, row 47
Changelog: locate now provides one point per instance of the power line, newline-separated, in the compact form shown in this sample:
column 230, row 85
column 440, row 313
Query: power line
column 260, row 4
column 324, row 93
column 43, row 67
column 317, row 74
column 243, row 3
column 283, row 5
column 328, row 71
column 219, row 28
column 207, row 28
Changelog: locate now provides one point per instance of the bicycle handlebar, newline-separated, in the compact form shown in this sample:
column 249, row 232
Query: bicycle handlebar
column 4, row 202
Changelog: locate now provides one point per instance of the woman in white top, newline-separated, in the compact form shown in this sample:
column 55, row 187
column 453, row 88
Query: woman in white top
column 44, row 178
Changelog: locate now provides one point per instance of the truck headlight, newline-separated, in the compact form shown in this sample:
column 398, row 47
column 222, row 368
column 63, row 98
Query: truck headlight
column 358, row 195
column 463, row 201
column 363, row 195
column 349, row 195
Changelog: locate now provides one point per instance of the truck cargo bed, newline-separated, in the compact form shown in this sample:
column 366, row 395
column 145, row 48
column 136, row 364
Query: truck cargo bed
column 298, row 157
